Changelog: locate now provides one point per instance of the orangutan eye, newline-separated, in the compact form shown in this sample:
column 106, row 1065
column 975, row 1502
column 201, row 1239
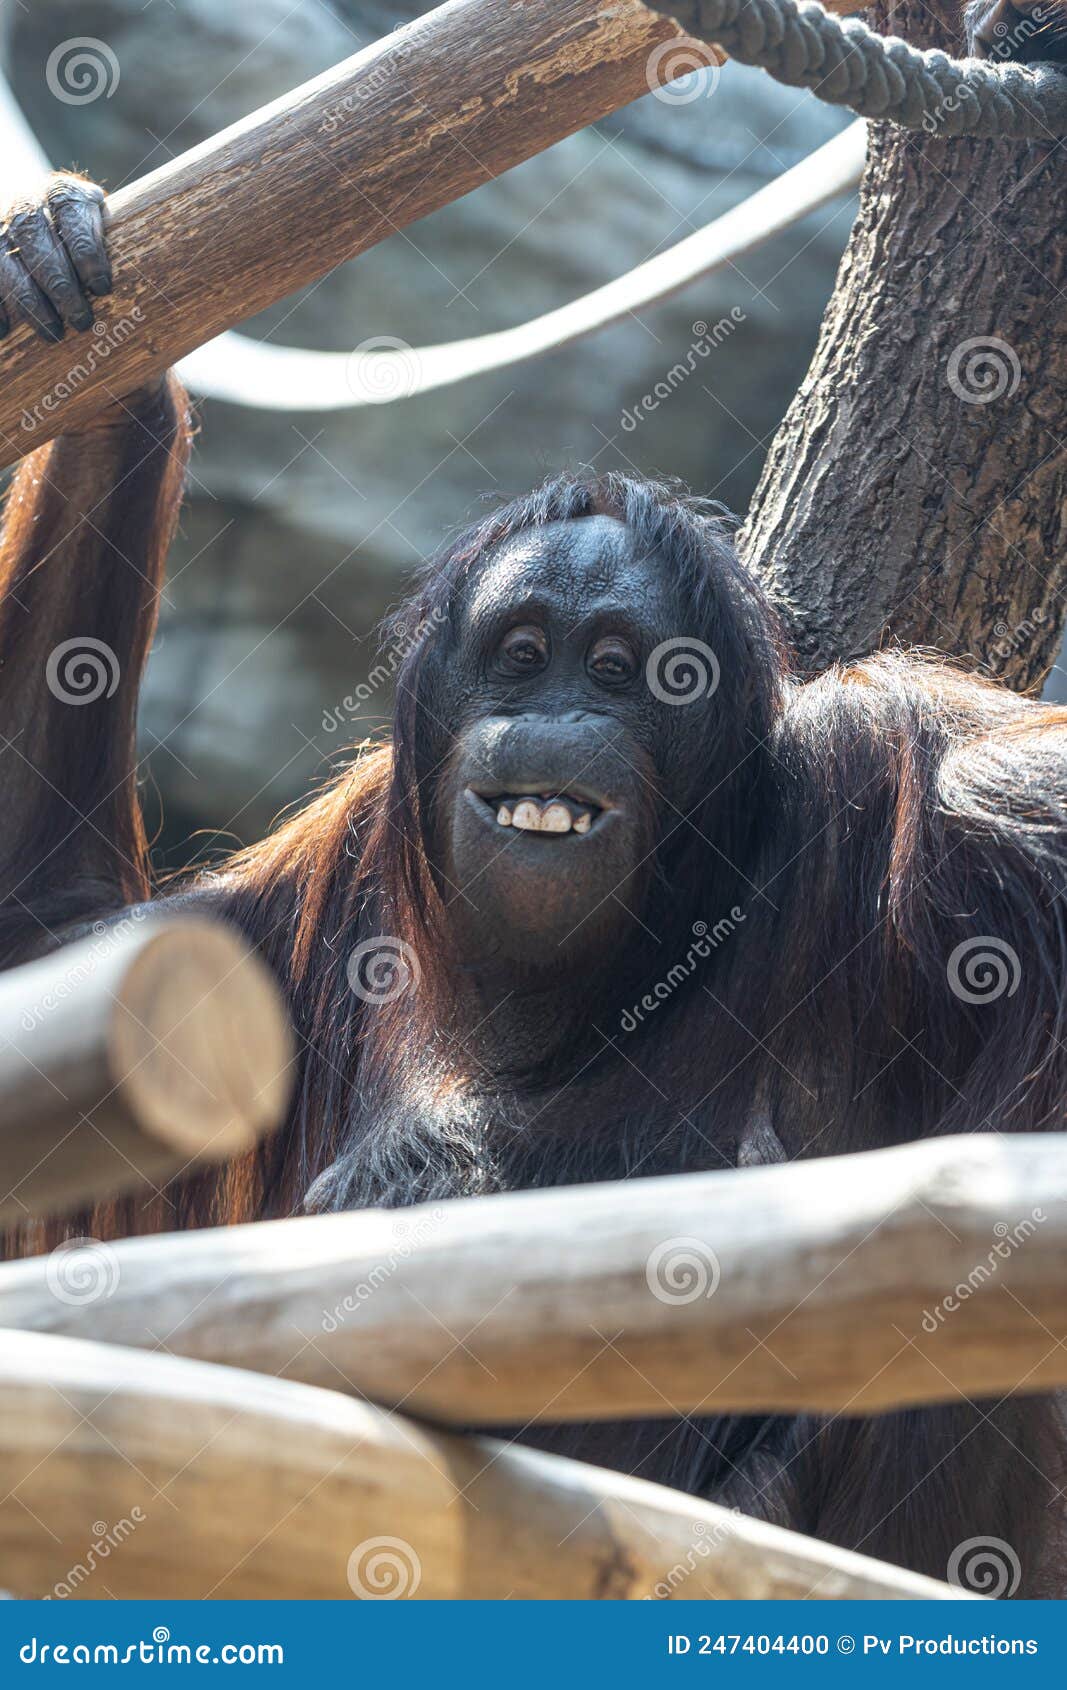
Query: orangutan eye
column 523, row 650
column 612, row 660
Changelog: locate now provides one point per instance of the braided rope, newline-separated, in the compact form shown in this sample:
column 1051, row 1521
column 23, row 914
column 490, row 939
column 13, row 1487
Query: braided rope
column 847, row 64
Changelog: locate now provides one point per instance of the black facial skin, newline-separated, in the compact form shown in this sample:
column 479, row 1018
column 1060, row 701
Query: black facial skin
column 1019, row 31
column 547, row 686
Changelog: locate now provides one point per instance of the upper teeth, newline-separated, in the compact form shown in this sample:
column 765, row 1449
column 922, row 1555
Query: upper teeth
column 555, row 817
column 526, row 814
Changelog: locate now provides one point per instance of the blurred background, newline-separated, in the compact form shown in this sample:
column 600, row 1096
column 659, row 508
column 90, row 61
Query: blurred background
column 301, row 529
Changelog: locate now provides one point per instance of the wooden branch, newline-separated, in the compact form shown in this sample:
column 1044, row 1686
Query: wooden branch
column 126, row 1058
column 212, row 1482
column 274, row 202
column 856, row 1283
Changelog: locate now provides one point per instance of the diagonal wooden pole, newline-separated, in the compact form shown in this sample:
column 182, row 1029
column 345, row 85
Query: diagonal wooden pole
column 278, row 200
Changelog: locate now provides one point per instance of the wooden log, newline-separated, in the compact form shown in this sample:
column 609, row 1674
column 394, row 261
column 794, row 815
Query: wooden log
column 132, row 1055
column 274, row 202
column 858, row 1283
column 147, row 1476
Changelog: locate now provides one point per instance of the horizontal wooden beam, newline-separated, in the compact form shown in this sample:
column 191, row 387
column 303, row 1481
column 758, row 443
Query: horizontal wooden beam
column 150, row 1477
column 856, row 1283
column 128, row 1058
column 276, row 201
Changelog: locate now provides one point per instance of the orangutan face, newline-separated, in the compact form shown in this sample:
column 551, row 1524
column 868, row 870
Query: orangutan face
column 566, row 762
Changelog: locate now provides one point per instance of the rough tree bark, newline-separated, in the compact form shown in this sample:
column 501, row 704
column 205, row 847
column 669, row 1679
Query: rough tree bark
column 916, row 489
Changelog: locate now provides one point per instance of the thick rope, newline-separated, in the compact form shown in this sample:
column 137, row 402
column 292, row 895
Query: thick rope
column 881, row 77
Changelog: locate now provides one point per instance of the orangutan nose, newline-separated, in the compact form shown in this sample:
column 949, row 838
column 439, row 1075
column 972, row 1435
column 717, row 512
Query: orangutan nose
column 577, row 754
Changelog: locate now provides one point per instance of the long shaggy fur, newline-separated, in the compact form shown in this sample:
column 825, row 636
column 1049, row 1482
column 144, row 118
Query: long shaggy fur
column 872, row 830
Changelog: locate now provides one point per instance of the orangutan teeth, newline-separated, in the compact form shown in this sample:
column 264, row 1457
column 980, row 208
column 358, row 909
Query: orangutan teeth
column 555, row 815
column 555, row 818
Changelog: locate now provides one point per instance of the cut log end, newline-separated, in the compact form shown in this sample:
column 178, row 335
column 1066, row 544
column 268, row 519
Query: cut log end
column 131, row 1057
column 199, row 1045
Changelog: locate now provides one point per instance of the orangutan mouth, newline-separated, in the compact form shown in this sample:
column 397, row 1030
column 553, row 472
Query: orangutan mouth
column 543, row 812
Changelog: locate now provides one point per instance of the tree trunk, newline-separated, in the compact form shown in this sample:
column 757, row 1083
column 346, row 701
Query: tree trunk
column 915, row 490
